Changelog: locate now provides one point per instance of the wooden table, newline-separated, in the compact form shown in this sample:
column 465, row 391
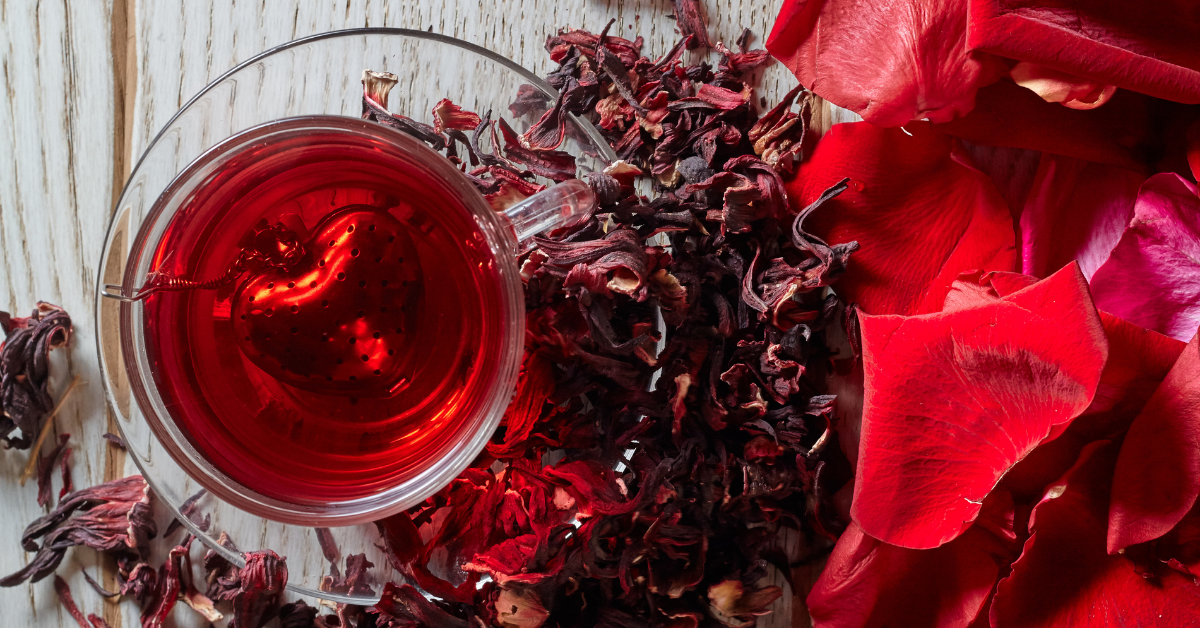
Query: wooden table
column 89, row 83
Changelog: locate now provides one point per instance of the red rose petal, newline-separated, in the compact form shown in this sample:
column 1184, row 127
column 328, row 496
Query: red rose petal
column 1152, row 277
column 891, row 62
column 1148, row 47
column 868, row 583
column 1180, row 548
column 1193, row 149
column 1007, row 283
column 923, row 215
column 982, row 386
column 1065, row 579
column 1076, row 210
column 1007, row 114
column 1138, row 361
column 1157, row 478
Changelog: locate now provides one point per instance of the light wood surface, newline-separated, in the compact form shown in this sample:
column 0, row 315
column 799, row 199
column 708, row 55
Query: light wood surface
column 89, row 83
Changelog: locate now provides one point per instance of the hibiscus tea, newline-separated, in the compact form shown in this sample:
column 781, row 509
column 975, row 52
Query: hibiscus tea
column 320, row 318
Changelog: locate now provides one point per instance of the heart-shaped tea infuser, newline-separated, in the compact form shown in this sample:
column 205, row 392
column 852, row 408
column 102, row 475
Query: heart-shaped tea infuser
column 332, row 314
column 338, row 321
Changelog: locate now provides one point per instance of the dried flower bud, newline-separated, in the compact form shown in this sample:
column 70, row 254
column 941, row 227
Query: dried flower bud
column 377, row 86
column 25, row 370
column 110, row 517
column 261, row 583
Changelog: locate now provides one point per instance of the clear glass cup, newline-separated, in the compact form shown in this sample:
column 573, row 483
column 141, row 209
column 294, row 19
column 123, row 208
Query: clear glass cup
column 313, row 81
column 558, row 206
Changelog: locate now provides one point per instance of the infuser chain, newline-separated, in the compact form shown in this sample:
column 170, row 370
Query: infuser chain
column 274, row 245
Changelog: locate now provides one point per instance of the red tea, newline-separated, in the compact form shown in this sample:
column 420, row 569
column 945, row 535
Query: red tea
column 328, row 331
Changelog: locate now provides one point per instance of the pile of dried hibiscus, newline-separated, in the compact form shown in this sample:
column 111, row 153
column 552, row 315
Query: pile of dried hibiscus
column 1007, row 435
column 671, row 489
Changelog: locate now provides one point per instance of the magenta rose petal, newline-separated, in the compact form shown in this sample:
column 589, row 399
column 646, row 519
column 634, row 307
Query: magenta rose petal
column 1152, row 276
column 1065, row 578
column 1076, row 210
column 1157, row 478
column 983, row 386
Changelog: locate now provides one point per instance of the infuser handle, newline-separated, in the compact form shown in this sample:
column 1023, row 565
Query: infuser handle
column 563, row 205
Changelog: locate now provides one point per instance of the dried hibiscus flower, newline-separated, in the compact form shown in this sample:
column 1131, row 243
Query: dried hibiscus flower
column 111, row 517
column 25, row 370
column 254, row 589
column 261, row 582
column 174, row 584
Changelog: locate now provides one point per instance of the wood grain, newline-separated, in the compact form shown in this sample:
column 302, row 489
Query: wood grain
column 88, row 85
column 56, row 188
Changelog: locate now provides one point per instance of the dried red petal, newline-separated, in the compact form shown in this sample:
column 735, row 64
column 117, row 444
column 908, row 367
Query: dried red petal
column 507, row 561
column 552, row 164
column 984, row 386
column 155, row 613
column 1065, row 578
column 376, row 88
column 65, row 471
column 68, row 602
column 45, row 466
column 534, row 387
column 1157, row 477
column 401, row 540
column 721, row 98
column 687, row 15
column 405, row 607
column 738, row 63
column 922, row 215
column 549, row 131
column 619, row 262
column 447, row 115
column 297, row 614
column 593, row 486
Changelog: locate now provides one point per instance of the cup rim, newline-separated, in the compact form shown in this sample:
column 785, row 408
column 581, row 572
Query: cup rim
column 607, row 154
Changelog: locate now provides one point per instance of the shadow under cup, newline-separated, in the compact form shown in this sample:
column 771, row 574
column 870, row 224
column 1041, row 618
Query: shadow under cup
column 339, row 325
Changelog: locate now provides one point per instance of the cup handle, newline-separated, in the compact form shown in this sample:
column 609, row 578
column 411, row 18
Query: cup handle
column 563, row 205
